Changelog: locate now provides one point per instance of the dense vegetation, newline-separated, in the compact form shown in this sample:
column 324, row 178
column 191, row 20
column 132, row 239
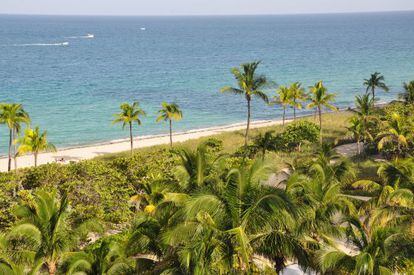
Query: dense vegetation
column 219, row 206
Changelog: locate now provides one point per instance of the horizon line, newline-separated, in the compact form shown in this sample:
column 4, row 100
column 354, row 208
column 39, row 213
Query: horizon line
column 206, row 15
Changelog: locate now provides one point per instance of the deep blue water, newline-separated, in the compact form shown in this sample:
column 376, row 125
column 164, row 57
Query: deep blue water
column 73, row 90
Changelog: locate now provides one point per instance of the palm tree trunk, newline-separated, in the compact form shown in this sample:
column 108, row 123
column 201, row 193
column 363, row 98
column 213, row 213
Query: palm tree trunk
column 15, row 151
column 284, row 115
column 373, row 96
column 294, row 110
column 51, row 266
column 279, row 264
column 10, row 146
column 358, row 147
column 320, row 122
column 131, row 138
column 35, row 159
column 246, row 136
column 170, row 133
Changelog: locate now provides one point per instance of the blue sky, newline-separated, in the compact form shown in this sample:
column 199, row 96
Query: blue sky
column 197, row 7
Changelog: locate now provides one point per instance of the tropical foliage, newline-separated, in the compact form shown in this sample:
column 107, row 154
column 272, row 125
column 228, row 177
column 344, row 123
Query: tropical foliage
column 205, row 209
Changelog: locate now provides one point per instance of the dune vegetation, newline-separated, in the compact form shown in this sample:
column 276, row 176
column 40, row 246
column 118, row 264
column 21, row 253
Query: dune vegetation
column 245, row 202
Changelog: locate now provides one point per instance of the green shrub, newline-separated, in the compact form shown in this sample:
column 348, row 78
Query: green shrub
column 296, row 134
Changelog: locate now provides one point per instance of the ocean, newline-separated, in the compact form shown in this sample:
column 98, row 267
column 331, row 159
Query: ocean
column 71, row 73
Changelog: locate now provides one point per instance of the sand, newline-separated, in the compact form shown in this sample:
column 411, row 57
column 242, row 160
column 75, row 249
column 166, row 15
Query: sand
column 91, row 151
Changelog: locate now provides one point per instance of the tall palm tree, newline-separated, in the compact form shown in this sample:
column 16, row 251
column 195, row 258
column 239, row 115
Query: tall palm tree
column 129, row 114
column 408, row 94
column 320, row 98
column 297, row 95
column 376, row 81
column 13, row 115
column 249, row 85
column 169, row 112
column 44, row 227
column 283, row 98
column 34, row 142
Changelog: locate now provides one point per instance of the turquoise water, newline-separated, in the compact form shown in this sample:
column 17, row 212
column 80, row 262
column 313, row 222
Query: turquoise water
column 71, row 85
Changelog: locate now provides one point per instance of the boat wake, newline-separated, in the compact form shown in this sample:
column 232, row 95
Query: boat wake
column 42, row 44
column 88, row 36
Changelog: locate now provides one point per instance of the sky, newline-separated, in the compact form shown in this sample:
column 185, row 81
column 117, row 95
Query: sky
column 198, row 7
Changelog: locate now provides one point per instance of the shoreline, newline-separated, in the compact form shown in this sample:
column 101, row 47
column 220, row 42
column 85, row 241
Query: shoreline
column 89, row 151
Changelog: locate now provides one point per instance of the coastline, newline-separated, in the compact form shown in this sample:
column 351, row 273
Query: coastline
column 90, row 151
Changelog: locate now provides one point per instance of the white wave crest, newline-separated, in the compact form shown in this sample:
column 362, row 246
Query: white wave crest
column 42, row 44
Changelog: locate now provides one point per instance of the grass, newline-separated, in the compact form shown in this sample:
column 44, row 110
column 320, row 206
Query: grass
column 333, row 124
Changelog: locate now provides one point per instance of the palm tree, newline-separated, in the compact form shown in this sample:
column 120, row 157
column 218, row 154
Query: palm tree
column 169, row 112
column 34, row 142
column 297, row 94
column 13, row 115
column 357, row 130
column 283, row 98
column 145, row 243
column 320, row 98
column 265, row 142
column 408, row 94
column 364, row 112
column 195, row 167
column 375, row 81
column 390, row 205
column 224, row 225
column 376, row 249
column 9, row 264
column 399, row 172
column 105, row 259
column 44, row 227
column 129, row 114
column 396, row 132
column 319, row 196
column 249, row 85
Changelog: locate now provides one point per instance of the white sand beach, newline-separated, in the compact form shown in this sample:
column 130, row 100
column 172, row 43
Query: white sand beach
column 116, row 146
